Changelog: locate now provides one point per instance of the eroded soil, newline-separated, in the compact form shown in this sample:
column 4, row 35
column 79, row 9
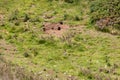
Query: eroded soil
column 56, row 29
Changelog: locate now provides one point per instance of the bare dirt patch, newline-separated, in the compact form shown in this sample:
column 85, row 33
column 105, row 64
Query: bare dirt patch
column 56, row 29
column 1, row 16
column 6, row 48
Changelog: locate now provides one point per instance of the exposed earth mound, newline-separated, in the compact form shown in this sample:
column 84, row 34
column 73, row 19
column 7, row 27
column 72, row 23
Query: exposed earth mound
column 56, row 29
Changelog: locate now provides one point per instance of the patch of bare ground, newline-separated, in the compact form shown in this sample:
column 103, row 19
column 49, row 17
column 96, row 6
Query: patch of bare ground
column 7, row 48
column 1, row 16
column 59, row 29
column 56, row 29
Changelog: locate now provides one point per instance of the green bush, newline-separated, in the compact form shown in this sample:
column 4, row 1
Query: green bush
column 105, row 13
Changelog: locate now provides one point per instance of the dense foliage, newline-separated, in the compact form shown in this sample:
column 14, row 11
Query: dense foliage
column 105, row 13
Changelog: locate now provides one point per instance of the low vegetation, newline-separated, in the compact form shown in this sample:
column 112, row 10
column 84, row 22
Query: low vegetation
column 106, row 15
column 81, row 53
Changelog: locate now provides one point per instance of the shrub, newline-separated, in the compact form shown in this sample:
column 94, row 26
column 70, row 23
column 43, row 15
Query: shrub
column 105, row 14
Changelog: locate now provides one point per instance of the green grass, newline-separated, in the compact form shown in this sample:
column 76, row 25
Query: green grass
column 82, row 56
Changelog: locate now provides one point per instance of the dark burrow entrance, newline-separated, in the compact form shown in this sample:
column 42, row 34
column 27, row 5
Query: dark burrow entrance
column 59, row 28
column 55, row 28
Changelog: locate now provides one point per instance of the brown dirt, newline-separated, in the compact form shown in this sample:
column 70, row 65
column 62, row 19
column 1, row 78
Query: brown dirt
column 2, row 17
column 56, row 29
column 6, row 48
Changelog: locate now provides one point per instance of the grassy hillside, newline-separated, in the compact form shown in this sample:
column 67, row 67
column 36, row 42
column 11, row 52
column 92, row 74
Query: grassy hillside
column 81, row 53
